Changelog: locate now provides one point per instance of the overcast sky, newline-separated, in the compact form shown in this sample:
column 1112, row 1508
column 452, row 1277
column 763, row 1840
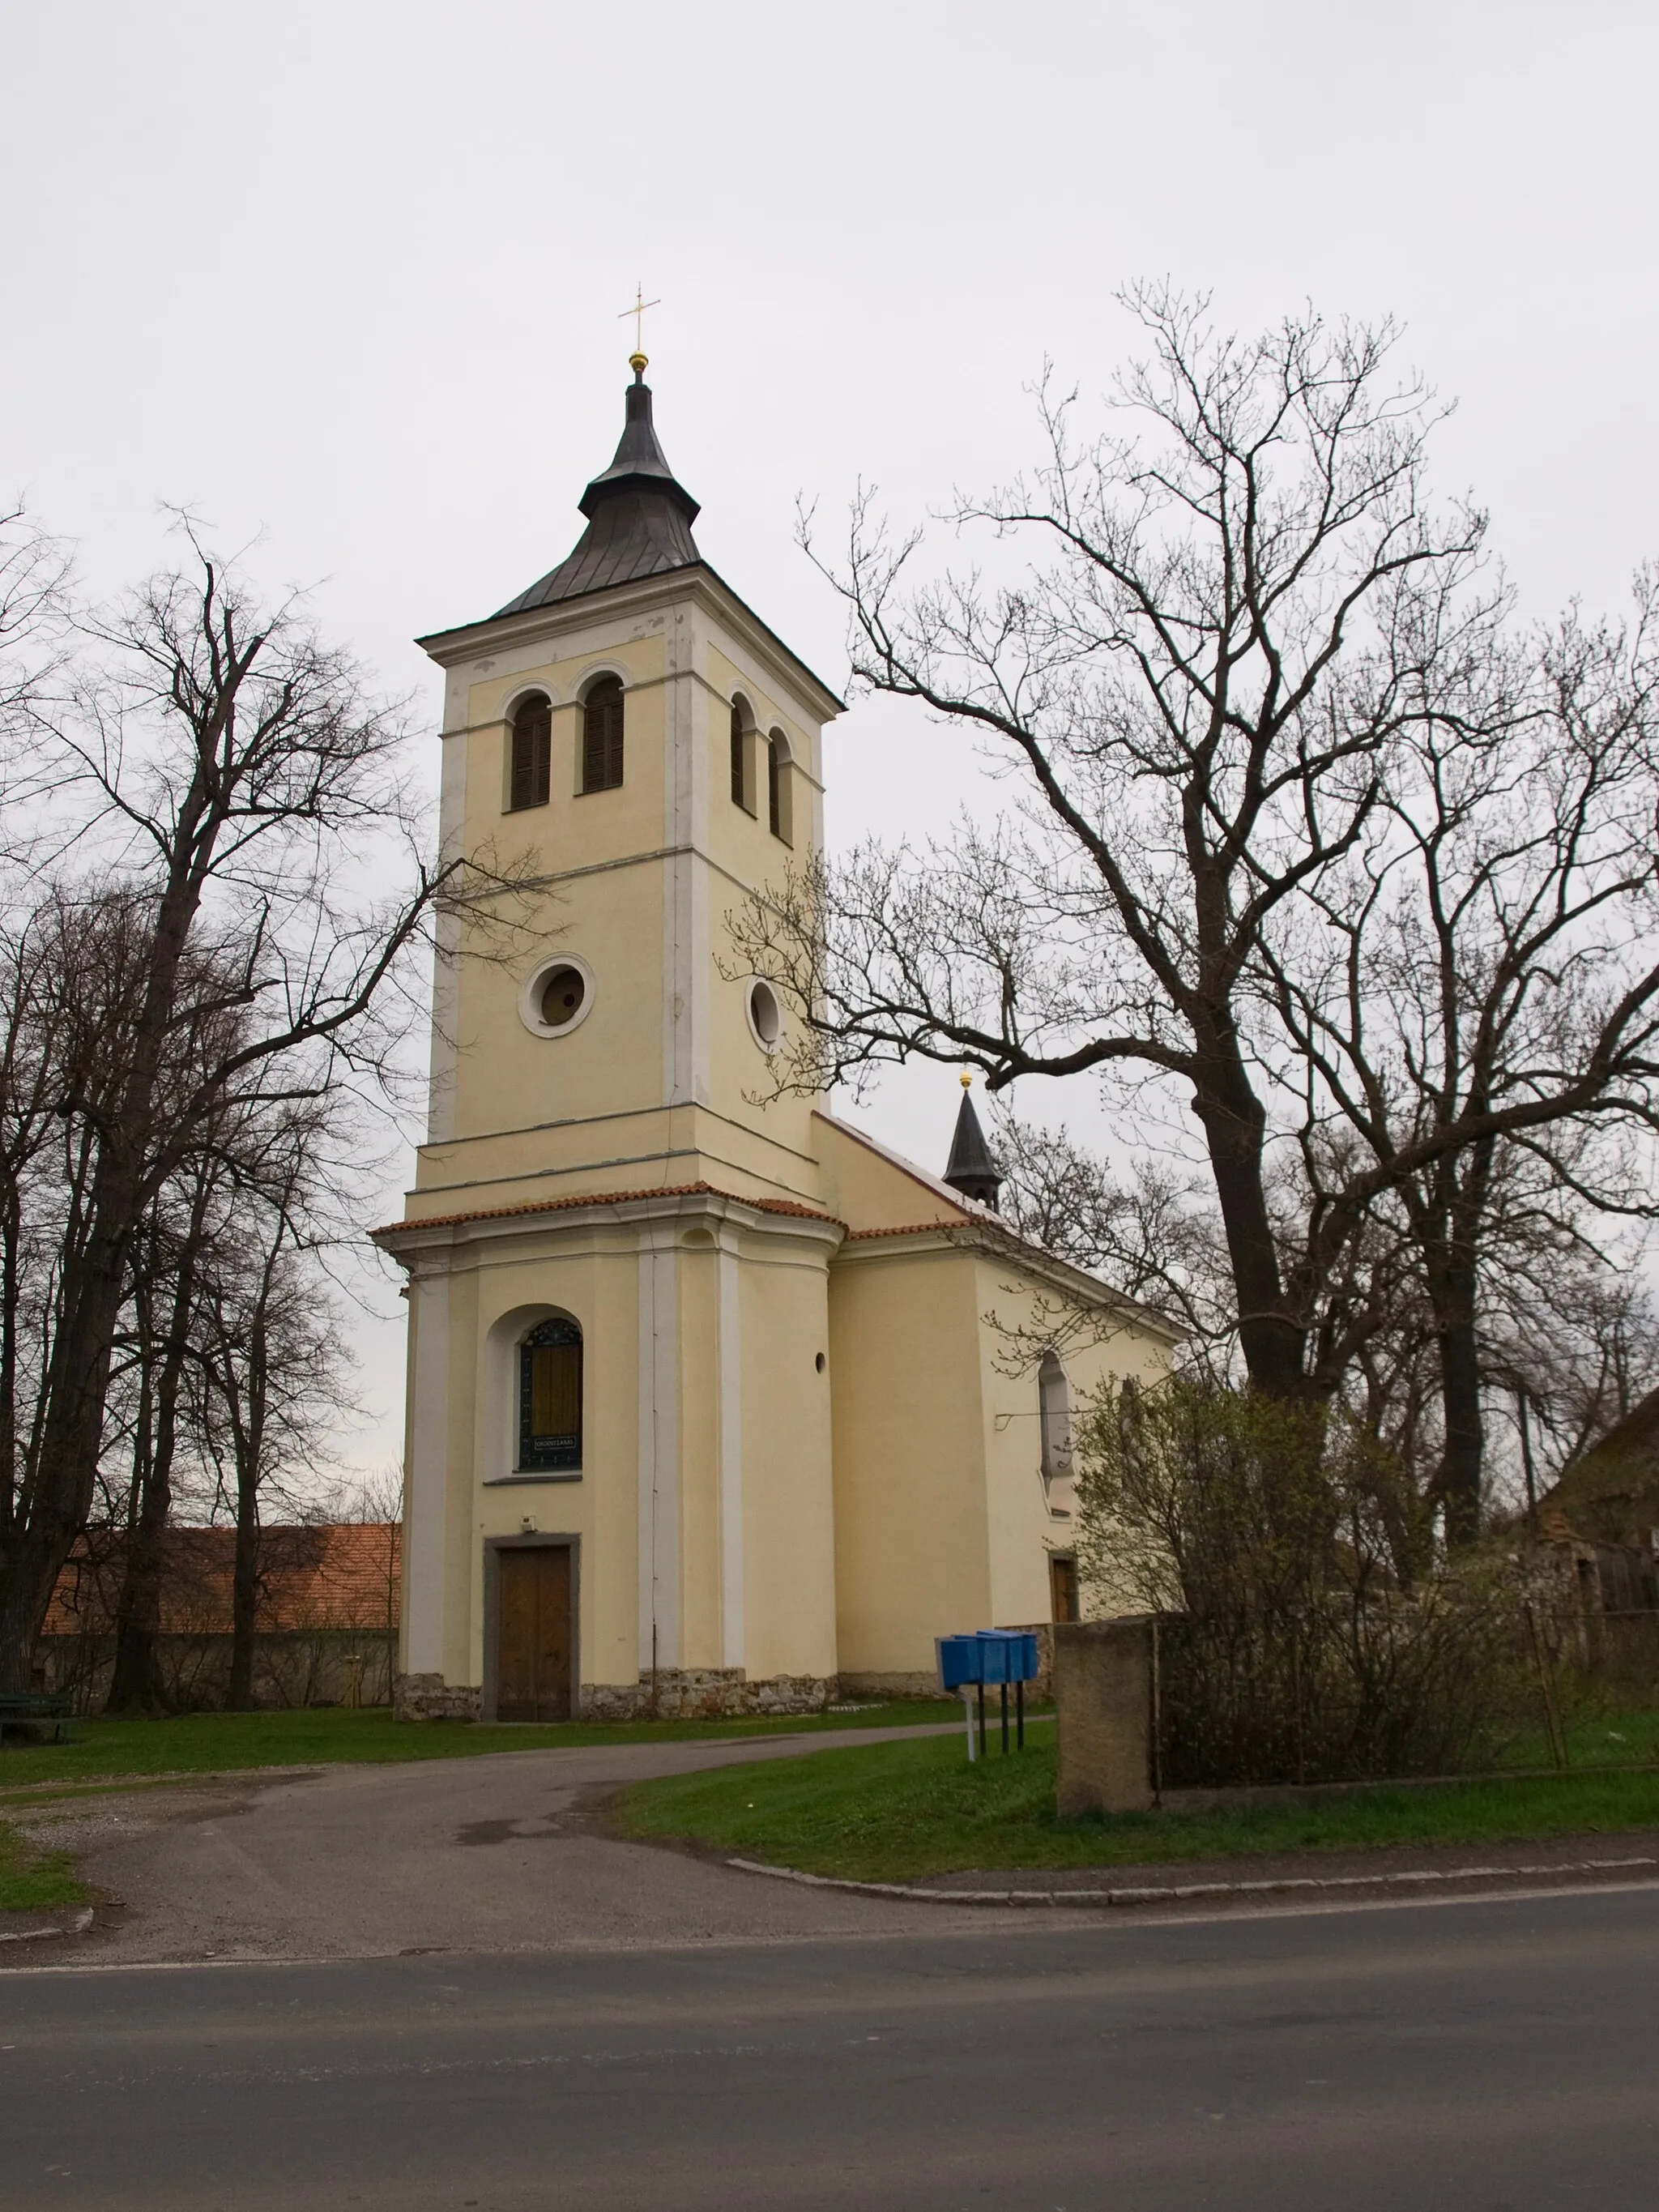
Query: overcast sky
column 346, row 278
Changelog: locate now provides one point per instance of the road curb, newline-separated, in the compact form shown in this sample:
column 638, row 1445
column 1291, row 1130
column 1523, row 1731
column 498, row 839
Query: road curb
column 1183, row 1893
column 78, row 1926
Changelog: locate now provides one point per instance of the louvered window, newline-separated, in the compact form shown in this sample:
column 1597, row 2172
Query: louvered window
column 739, row 796
column 532, row 752
column 602, row 735
column 777, row 789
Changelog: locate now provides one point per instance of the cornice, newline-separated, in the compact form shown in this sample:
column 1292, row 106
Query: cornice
column 447, row 647
column 403, row 1240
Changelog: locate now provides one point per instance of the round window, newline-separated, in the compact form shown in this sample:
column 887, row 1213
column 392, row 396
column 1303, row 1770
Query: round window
column 765, row 1014
column 561, row 996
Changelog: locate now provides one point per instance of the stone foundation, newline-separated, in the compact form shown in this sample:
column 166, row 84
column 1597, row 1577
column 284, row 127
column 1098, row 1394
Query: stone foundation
column 698, row 1693
column 889, row 1687
column 429, row 1698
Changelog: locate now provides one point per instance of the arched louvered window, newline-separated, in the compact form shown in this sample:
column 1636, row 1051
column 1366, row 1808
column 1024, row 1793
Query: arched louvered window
column 532, row 751
column 739, row 763
column 550, row 1396
column 779, row 807
column 602, row 735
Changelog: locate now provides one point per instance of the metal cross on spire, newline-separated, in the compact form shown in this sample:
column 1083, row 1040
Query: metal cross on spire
column 636, row 359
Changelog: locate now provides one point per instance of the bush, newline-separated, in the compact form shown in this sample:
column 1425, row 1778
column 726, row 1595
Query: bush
column 1313, row 1630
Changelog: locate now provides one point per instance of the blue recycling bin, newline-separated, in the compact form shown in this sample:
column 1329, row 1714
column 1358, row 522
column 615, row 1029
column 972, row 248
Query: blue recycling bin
column 961, row 1661
column 1009, row 1655
column 997, row 1655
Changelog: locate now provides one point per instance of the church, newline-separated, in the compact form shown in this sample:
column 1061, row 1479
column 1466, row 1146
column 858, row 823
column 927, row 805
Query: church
column 713, row 1402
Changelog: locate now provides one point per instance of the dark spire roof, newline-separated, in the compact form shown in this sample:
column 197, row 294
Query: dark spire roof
column 639, row 518
column 970, row 1168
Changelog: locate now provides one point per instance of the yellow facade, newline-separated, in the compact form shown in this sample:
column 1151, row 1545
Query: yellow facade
column 799, row 1459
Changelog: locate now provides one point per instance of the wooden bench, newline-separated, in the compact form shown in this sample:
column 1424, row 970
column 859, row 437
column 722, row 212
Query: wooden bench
column 33, row 1708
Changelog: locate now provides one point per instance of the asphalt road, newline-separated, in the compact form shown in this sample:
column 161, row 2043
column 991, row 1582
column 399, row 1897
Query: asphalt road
column 1475, row 2055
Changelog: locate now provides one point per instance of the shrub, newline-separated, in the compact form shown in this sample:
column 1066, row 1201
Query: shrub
column 1312, row 1629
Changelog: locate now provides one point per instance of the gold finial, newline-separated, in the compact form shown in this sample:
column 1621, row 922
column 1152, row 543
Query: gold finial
column 636, row 359
column 967, row 1080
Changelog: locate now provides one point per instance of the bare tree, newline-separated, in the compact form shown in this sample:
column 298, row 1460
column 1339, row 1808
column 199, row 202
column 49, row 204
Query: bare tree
column 232, row 775
column 277, row 1369
column 1152, row 1238
column 1473, row 993
column 1192, row 684
column 1243, row 677
column 34, row 580
column 166, row 1261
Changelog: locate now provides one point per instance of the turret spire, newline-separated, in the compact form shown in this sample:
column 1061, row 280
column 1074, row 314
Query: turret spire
column 970, row 1168
column 639, row 516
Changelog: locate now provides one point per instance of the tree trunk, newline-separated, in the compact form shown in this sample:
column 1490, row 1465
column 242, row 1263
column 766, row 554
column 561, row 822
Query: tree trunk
column 1272, row 1341
column 244, row 1599
column 1454, row 1279
column 245, row 1585
column 67, row 1471
column 136, row 1684
column 1463, row 1452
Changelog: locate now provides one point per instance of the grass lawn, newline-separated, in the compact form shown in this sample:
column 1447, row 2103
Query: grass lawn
column 1617, row 1739
column 897, row 1812
column 31, row 1881
column 216, row 1743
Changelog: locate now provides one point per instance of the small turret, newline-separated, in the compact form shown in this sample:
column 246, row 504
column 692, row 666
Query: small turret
column 970, row 1168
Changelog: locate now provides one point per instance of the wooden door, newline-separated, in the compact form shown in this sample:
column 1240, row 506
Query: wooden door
column 1062, row 1588
column 533, row 1635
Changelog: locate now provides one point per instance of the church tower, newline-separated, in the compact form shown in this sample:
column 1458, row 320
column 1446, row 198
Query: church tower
column 619, row 1482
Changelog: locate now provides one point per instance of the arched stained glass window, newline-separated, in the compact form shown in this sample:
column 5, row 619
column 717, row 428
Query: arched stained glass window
column 550, row 1396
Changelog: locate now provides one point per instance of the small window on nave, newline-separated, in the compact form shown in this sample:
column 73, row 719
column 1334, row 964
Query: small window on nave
column 602, row 735
column 1054, row 1418
column 532, row 752
column 550, row 1397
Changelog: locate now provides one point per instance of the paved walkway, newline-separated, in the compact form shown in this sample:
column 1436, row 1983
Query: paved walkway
column 480, row 1854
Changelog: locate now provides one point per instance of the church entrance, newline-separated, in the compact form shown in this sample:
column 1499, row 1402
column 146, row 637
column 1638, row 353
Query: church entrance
column 534, row 1633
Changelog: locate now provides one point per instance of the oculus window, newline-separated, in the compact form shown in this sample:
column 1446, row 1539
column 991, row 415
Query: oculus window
column 765, row 1015
column 550, row 1398
column 562, row 997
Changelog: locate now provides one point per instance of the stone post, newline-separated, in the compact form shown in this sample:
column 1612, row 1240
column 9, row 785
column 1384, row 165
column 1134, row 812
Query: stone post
column 1104, row 1715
